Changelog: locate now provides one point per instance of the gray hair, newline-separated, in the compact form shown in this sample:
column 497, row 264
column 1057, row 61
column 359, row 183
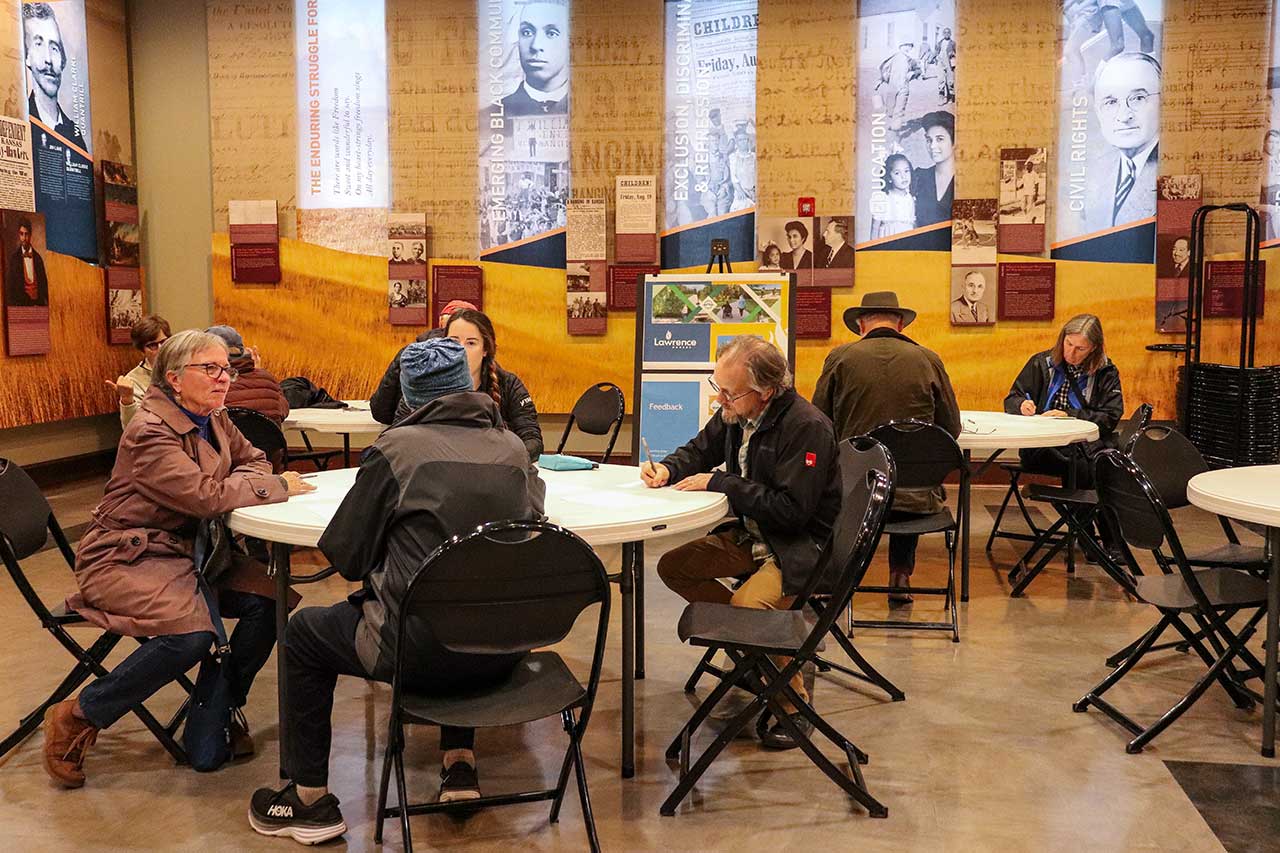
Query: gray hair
column 868, row 320
column 176, row 353
column 1091, row 327
column 766, row 365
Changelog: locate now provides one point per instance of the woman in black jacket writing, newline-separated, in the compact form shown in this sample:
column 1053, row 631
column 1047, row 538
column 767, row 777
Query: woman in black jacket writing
column 1075, row 379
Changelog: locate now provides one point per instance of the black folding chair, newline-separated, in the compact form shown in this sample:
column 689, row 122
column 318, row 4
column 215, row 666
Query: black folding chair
column 924, row 455
column 749, row 637
column 1076, row 508
column 1208, row 597
column 508, row 588
column 25, row 520
column 599, row 410
column 858, row 448
column 263, row 433
column 1127, row 432
column 1170, row 460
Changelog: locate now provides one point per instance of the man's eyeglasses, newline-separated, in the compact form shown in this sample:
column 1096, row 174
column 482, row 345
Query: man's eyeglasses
column 215, row 371
column 154, row 345
column 722, row 393
column 971, row 427
column 1136, row 101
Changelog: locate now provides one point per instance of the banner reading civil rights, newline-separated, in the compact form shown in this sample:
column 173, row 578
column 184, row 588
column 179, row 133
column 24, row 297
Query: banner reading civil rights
column 341, row 56
column 1269, row 198
column 1108, row 149
column 710, row 130
column 906, row 106
column 57, row 70
column 524, row 130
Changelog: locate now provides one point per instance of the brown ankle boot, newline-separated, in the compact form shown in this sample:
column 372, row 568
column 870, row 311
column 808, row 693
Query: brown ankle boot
column 67, row 739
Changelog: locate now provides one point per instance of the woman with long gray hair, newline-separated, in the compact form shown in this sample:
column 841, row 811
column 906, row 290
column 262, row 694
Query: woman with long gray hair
column 1075, row 379
column 181, row 461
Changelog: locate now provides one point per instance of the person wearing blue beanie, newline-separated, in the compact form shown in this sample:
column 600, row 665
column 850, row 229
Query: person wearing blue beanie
column 431, row 369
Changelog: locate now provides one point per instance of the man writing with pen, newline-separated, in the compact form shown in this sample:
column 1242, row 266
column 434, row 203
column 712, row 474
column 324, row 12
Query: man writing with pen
column 781, row 477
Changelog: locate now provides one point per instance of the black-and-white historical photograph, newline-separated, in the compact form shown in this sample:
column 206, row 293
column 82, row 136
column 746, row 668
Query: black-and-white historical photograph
column 1024, row 183
column 973, row 296
column 973, row 231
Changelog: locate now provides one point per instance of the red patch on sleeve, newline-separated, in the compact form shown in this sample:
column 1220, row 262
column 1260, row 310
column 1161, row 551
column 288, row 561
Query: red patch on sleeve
column 811, row 460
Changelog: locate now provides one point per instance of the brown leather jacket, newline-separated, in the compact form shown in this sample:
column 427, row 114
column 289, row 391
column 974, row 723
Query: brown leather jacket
column 134, row 565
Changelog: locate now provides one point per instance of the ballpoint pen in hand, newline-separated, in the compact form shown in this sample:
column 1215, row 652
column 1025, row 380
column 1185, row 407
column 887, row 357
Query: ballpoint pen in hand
column 653, row 469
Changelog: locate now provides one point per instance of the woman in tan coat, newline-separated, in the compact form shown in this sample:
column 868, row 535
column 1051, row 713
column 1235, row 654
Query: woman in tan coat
column 180, row 460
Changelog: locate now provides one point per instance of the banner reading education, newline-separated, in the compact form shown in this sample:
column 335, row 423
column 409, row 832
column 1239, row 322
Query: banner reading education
column 906, row 105
column 524, row 131
column 710, row 130
column 1108, row 148
column 341, row 56
column 57, row 70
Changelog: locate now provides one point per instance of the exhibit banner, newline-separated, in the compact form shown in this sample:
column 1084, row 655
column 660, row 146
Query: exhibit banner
column 1269, row 194
column 407, row 269
column 635, row 230
column 124, row 303
column 17, row 179
column 1024, row 200
column 26, row 283
column 687, row 319
column 906, row 108
column 56, row 55
column 523, row 129
column 254, row 232
column 1177, row 198
column 586, row 273
column 710, row 132
column 684, row 322
column 1108, row 151
column 341, row 59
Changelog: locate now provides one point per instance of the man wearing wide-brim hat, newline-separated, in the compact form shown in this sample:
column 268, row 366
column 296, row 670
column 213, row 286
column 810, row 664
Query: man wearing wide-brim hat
column 885, row 377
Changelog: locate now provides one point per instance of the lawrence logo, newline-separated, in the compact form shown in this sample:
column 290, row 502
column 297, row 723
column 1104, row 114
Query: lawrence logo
column 810, row 460
column 279, row 810
column 678, row 343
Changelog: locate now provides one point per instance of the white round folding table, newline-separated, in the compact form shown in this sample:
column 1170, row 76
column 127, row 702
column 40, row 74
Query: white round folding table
column 993, row 433
column 356, row 419
column 1252, row 494
column 607, row 505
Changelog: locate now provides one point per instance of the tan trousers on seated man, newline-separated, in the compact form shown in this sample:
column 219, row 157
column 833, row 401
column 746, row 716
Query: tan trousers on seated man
column 692, row 569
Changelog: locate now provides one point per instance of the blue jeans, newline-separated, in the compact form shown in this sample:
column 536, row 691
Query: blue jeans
column 162, row 659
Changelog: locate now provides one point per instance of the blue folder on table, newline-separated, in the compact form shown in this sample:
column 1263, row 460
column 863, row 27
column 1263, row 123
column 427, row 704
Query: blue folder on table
column 564, row 462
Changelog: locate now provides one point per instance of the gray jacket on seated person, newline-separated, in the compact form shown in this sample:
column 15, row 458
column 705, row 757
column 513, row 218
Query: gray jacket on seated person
column 447, row 468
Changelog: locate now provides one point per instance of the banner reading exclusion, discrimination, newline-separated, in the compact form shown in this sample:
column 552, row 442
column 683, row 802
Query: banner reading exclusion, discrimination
column 710, row 130
column 906, row 125
column 341, row 56
column 1108, row 131
column 57, row 71
column 524, row 131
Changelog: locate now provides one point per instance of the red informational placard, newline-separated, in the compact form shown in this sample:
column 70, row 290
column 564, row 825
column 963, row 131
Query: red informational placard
column 813, row 312
column 1027, row 291
column 253, row 264
column 623, row 284
column 456, row 282
column 1224, row 288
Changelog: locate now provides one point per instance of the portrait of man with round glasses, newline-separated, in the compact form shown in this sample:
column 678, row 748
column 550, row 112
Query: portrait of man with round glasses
column 1122, row 173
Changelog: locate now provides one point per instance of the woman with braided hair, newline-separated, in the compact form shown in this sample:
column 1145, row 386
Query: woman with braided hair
column 474, row 331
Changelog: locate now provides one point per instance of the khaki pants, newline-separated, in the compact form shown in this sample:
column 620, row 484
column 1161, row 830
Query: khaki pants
column 691, row 571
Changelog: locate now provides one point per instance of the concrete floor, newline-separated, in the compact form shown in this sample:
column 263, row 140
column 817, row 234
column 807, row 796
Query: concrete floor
column 985, row 754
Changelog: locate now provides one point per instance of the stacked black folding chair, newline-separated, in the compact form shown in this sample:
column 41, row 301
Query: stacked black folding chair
column 924, row 455
column 1076, row 508
column 508, row 588
column 1170, row 460
column 599, row 411
column 749, row 637
column 26, row 519
column 1209, row 598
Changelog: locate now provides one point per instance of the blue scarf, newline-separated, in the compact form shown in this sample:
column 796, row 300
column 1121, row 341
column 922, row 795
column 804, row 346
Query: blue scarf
column 1055, row 383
